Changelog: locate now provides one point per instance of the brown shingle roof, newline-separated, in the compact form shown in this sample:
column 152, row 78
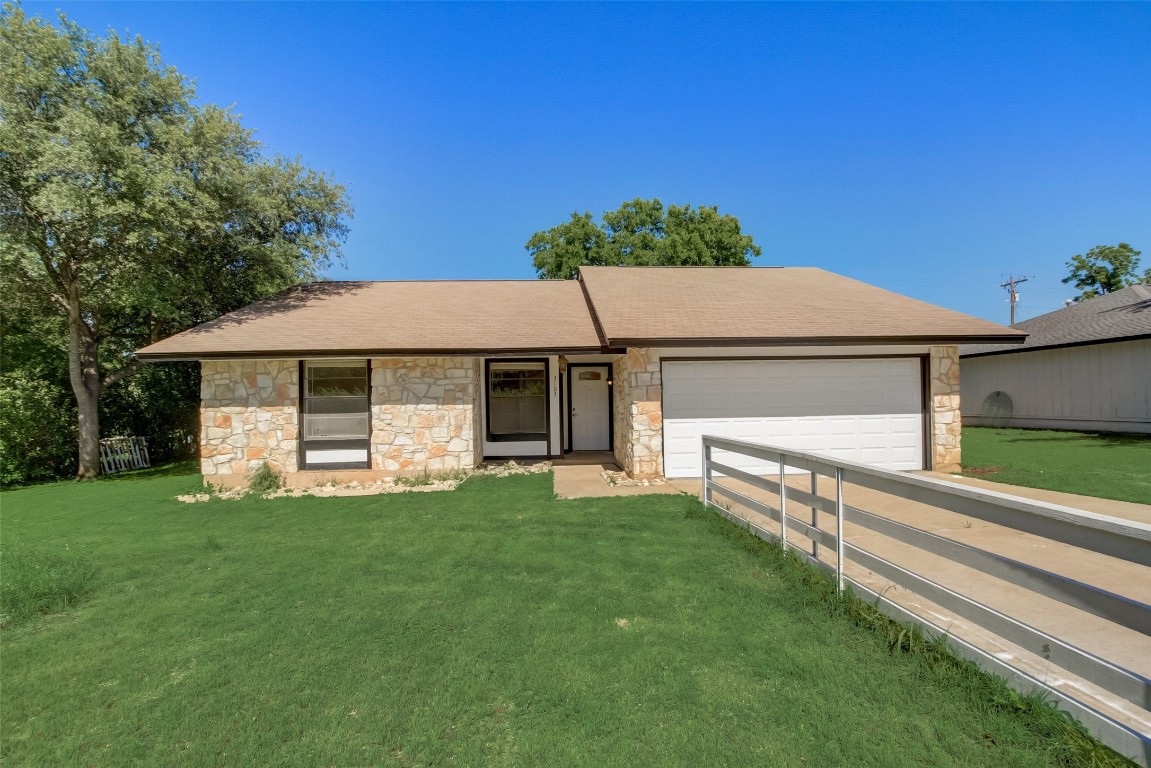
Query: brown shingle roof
column 364, row 318
column 645, row 306
column 1118, row 316
column 634, row 306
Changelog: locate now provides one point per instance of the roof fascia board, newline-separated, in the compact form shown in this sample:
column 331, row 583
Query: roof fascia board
column 1068, row 345
column 314, row 354
column 767, row 341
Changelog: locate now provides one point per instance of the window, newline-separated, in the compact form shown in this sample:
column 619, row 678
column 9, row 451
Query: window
column 337, row 419
column 517, row 400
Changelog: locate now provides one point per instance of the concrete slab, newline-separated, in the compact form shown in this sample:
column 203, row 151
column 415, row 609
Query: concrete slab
column 578, row 458
column 583, row 481
column 1127, row 510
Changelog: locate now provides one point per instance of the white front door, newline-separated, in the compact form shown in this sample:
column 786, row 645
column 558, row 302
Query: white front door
column 591, row 408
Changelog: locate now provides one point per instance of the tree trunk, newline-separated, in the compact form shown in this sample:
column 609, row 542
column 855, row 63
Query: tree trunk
column 84, row 372
column 89, row 431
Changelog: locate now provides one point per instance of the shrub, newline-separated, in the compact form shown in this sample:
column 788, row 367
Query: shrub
column 39, row 580
column 160, row 402
column 37, row 429
column 264, row 479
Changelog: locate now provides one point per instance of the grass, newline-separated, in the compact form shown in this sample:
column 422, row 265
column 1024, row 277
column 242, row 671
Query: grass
column 493, row 625
column 1109, row 466
column 38, row 580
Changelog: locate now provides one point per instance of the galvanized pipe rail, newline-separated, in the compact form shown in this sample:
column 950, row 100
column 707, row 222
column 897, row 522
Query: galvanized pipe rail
column 1122, row 539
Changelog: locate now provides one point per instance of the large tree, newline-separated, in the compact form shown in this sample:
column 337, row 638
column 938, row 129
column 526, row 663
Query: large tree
column 128, row 211
column 642, row 233
column 1104, row 269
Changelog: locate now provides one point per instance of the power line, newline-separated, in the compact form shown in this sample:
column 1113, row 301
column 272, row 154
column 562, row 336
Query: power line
column 1013, row 281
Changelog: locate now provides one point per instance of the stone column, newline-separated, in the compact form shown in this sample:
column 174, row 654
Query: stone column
column 946, row 425
column 638, row 416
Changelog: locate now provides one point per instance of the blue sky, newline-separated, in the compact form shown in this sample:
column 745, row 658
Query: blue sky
column 930, row 149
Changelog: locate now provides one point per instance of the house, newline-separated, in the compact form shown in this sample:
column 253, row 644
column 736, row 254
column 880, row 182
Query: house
column 382, row 378
column 1084, row 367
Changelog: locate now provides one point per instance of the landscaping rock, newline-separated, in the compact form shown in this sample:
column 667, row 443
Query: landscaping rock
column 387, row 485
column 620, row 478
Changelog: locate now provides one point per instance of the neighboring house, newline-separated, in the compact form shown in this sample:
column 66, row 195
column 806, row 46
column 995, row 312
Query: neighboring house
column 1085, row 367
column 382, row 378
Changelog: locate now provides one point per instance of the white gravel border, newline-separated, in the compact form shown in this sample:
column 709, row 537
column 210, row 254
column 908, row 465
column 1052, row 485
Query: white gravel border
column 376, row 487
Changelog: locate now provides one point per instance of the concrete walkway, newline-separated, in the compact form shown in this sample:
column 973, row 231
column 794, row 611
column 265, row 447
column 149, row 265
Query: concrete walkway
column 1122, row 646
column 1139, row 513
column 580, row 480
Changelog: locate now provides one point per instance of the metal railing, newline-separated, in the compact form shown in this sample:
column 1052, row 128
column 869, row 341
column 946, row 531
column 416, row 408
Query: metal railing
column 120, row 454
column 1110, row 536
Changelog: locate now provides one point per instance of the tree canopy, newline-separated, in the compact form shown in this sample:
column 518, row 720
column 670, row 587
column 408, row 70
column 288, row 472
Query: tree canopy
column 642, row 233
column 1105, row 269
column 128, row 211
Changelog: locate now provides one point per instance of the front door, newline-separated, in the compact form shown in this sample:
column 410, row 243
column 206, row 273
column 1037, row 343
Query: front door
column 590, row 408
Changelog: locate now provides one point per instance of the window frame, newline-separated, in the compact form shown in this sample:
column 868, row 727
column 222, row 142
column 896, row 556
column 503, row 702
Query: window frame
column 346, row 443
column 520, row 437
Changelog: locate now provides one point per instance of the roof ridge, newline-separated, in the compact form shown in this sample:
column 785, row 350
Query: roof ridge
column 692, row 266
column 447, row 280
column 1142, row 290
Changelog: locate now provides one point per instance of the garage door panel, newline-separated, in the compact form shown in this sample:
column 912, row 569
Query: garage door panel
column 812, row 431
column 907, row 458
column 840, row 426
column 783, row 405
column 866, row 410
column 874, row 426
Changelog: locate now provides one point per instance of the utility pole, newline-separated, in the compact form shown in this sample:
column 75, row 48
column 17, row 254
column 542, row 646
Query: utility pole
column 1013, row 281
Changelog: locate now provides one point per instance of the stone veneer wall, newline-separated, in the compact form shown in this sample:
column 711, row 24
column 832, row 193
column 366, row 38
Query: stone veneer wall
column 638, row 413
column 946, row 426
column 249, row 414
column 424, row 414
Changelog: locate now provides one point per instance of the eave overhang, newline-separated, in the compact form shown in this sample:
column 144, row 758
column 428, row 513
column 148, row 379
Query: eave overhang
column 1046, row 347
column 792, row 341
column 317, row 354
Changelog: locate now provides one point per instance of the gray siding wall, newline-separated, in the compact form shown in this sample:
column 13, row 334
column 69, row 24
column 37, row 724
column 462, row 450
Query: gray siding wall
column 1104, row 387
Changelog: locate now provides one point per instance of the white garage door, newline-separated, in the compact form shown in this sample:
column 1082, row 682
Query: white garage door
column 864, row 410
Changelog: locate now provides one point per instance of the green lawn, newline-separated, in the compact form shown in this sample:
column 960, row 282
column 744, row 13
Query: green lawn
column 490, row 626
column 1108, row 466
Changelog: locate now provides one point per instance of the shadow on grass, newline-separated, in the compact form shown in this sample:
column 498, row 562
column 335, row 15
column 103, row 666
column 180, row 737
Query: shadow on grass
column 174, row 469
column 186, row 467
column 1109, row 439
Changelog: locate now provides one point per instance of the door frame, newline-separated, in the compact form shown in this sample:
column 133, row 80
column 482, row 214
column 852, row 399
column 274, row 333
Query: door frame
column 610, row 403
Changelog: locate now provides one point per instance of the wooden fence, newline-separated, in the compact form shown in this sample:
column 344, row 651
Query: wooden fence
column 119, row 454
